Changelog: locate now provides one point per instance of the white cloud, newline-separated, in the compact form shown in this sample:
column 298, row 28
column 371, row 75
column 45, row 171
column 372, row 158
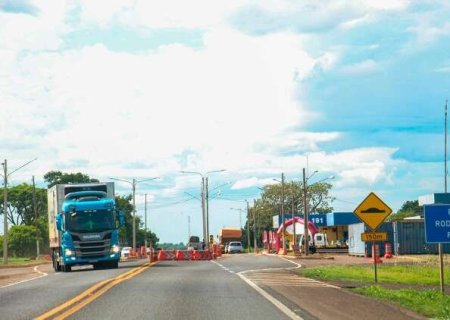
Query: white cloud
column 442, row 70
column 360, row 68
column 167, row 14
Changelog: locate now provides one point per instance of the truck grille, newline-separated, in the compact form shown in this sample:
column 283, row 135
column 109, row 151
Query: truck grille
column 92, row 249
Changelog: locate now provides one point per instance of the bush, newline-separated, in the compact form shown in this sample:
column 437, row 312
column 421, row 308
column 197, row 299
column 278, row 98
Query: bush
column 22, row 241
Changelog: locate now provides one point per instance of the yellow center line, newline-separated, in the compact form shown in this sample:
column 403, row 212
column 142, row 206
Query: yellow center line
column 89, row 295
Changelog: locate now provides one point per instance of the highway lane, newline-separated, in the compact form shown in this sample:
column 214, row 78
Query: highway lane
column 30, row 299
column 187, row 290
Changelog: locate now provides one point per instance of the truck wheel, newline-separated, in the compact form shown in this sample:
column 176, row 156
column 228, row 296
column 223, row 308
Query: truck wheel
column 55, row 261
column 115, row 264
column 66, row 268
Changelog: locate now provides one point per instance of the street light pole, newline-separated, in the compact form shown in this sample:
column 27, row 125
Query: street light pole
column 133, row 184
column 5, row 212
column 248, row 226
column 5, row 205
column 305, row 215
column 145, row 210
column 283, row 220
column 205, row 198
column 35, row 218
column 254, row 225
column 205, row 237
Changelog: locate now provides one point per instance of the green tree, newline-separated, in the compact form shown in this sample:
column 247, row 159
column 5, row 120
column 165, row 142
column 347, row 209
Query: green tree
column 57, row 177
column 263, row 210
column 22, row 241
column 408, row 209
column 20, row 204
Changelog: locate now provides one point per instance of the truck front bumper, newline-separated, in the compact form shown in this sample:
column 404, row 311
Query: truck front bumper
column 79, row 261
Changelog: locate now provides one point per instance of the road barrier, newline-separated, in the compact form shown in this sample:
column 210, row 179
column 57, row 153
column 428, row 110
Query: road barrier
column 166, row 255
column 183, row 255
column 387, row 250
column 376, row 254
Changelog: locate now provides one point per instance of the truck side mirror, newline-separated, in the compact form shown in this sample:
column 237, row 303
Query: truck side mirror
column 59, row 222
column 121, row 218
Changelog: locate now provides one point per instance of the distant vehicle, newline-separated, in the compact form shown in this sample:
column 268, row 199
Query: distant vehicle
column 320, row 240
column 194, row 243
column 125, row 252
column 235, row 247
column 227, row 235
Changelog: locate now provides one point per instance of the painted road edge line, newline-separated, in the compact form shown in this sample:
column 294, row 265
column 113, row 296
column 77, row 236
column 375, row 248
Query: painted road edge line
column 91, row 294
column 288, row 312
column 35, row 269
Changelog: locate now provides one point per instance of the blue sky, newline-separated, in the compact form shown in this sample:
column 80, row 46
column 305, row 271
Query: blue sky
column 140, row 89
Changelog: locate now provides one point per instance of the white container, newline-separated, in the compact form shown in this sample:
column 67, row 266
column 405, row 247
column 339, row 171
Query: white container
column 356, row 247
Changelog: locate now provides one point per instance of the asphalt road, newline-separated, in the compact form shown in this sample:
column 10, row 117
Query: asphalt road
column 233, row 287
column 166, row 290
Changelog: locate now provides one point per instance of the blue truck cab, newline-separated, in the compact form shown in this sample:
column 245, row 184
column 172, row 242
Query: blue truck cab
column 83, row 224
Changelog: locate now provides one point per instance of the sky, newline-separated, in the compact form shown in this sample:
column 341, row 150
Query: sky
column 142, row 89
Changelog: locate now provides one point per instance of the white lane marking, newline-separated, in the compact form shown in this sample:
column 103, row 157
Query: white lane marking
column 35, row 269
column 274, row 301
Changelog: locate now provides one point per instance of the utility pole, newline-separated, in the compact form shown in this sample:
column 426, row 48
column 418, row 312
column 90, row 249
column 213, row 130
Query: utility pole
column 189, row 227
column 133, row 185
column 5, row 212
column 441, row 256
column 248, row 226
column 293, row 216
column 5, row 205
column 254, row 225
column 36, row 218
column 305, row 215
column 207, row 211
column 145, row 217
column 203, row 210
column 283, row 219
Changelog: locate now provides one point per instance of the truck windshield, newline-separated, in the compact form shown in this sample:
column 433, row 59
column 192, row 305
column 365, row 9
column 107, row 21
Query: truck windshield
column 90, row 221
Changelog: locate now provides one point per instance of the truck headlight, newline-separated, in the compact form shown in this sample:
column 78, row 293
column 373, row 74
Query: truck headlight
column 115, row 249
column 68, row 252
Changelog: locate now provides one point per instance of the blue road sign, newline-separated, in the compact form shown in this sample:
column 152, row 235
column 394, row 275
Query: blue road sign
column 437, row 223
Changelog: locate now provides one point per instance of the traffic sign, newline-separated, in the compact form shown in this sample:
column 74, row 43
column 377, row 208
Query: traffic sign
column 374, row 236
column 437, row 223
column 372, row 211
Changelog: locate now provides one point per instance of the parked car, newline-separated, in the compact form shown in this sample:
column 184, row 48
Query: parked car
column 235, row 247
column 125, row 252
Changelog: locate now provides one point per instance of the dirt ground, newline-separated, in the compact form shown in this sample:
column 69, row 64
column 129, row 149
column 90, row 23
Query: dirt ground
column 14, row 274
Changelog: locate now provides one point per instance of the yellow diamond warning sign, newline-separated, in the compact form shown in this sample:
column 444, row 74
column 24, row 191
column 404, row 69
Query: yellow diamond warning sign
column 372, row 211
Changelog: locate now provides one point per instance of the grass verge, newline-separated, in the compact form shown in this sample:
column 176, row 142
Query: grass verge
column 414, row 274
column 430, row 303
column 22, row 262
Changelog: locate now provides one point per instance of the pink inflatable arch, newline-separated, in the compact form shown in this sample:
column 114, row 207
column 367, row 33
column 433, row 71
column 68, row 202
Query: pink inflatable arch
column 311, row 228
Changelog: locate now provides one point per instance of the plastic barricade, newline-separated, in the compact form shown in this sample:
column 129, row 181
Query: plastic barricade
column 162, row 255
column 387, row 250
column 376, row 254
column 183, row 255
column 195, row 255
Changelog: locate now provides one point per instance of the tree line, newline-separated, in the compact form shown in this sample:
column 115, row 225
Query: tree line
column 29, row 220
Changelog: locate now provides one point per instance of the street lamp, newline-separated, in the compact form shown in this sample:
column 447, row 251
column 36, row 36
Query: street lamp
column 204, row 200
column 5, row 205
column 305, row 203
column 133, row 184
column 283, row 236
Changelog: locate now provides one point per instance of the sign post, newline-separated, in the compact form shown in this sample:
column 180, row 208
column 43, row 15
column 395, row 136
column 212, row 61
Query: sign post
column 373, row 211
column 437, row 230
